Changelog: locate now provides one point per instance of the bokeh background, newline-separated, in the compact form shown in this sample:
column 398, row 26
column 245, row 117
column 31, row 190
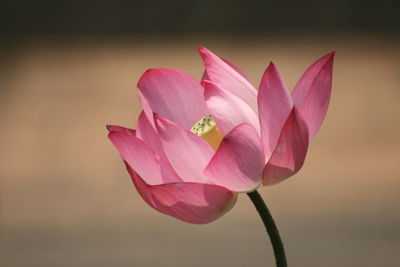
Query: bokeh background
column 68, row 68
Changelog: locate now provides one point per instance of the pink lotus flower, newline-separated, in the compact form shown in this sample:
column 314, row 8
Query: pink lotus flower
column 191, row 166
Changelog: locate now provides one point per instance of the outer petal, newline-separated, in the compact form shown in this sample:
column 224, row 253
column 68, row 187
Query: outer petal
column 189, row 202
column 227, row 109
column 274, row 107
column 139, row 156
column 228, row 78
column 173, row 95
column 312, row 93
column 239, row 160
column 188, row 153
column 288, row 157
column 148, row 134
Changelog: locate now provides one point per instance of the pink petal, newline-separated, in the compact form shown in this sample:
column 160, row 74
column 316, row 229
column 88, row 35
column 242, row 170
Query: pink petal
column 206, row 77
column 188, row 153
column 121, row 129
column 312, row 93
column 190, row 202
column 288, row 157
column 148, row 134
column 173, row 95
column 146, row 109
column 228, row 110
column 274, row 107
column 239, row 160
column 140, row 157
column 228, row 78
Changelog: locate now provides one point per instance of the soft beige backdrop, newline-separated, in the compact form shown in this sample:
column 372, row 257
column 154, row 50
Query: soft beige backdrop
column 66, row 199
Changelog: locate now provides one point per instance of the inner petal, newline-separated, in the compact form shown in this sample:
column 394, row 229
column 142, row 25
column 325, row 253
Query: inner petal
column 208, row 129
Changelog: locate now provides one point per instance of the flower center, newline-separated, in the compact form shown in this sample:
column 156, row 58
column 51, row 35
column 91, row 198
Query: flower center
column 207, row 129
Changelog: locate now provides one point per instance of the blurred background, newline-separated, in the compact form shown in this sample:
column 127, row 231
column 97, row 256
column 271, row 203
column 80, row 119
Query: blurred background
column 68, row 68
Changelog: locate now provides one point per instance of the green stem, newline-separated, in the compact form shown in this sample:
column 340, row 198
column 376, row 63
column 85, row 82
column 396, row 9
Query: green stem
column 270, row 226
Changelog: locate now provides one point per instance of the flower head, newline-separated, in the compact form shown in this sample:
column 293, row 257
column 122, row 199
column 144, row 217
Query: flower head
column 197, row 145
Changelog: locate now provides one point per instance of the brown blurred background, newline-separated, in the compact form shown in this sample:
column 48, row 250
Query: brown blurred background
column 68, row 68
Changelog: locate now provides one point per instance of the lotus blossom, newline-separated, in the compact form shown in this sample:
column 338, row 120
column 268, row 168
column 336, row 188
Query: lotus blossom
column 197, row 145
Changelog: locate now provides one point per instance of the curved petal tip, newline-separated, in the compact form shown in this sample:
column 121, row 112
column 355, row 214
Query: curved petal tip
column 120, row 129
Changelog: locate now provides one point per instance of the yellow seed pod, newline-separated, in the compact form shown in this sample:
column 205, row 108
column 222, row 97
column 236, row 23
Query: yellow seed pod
column 207, row 129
